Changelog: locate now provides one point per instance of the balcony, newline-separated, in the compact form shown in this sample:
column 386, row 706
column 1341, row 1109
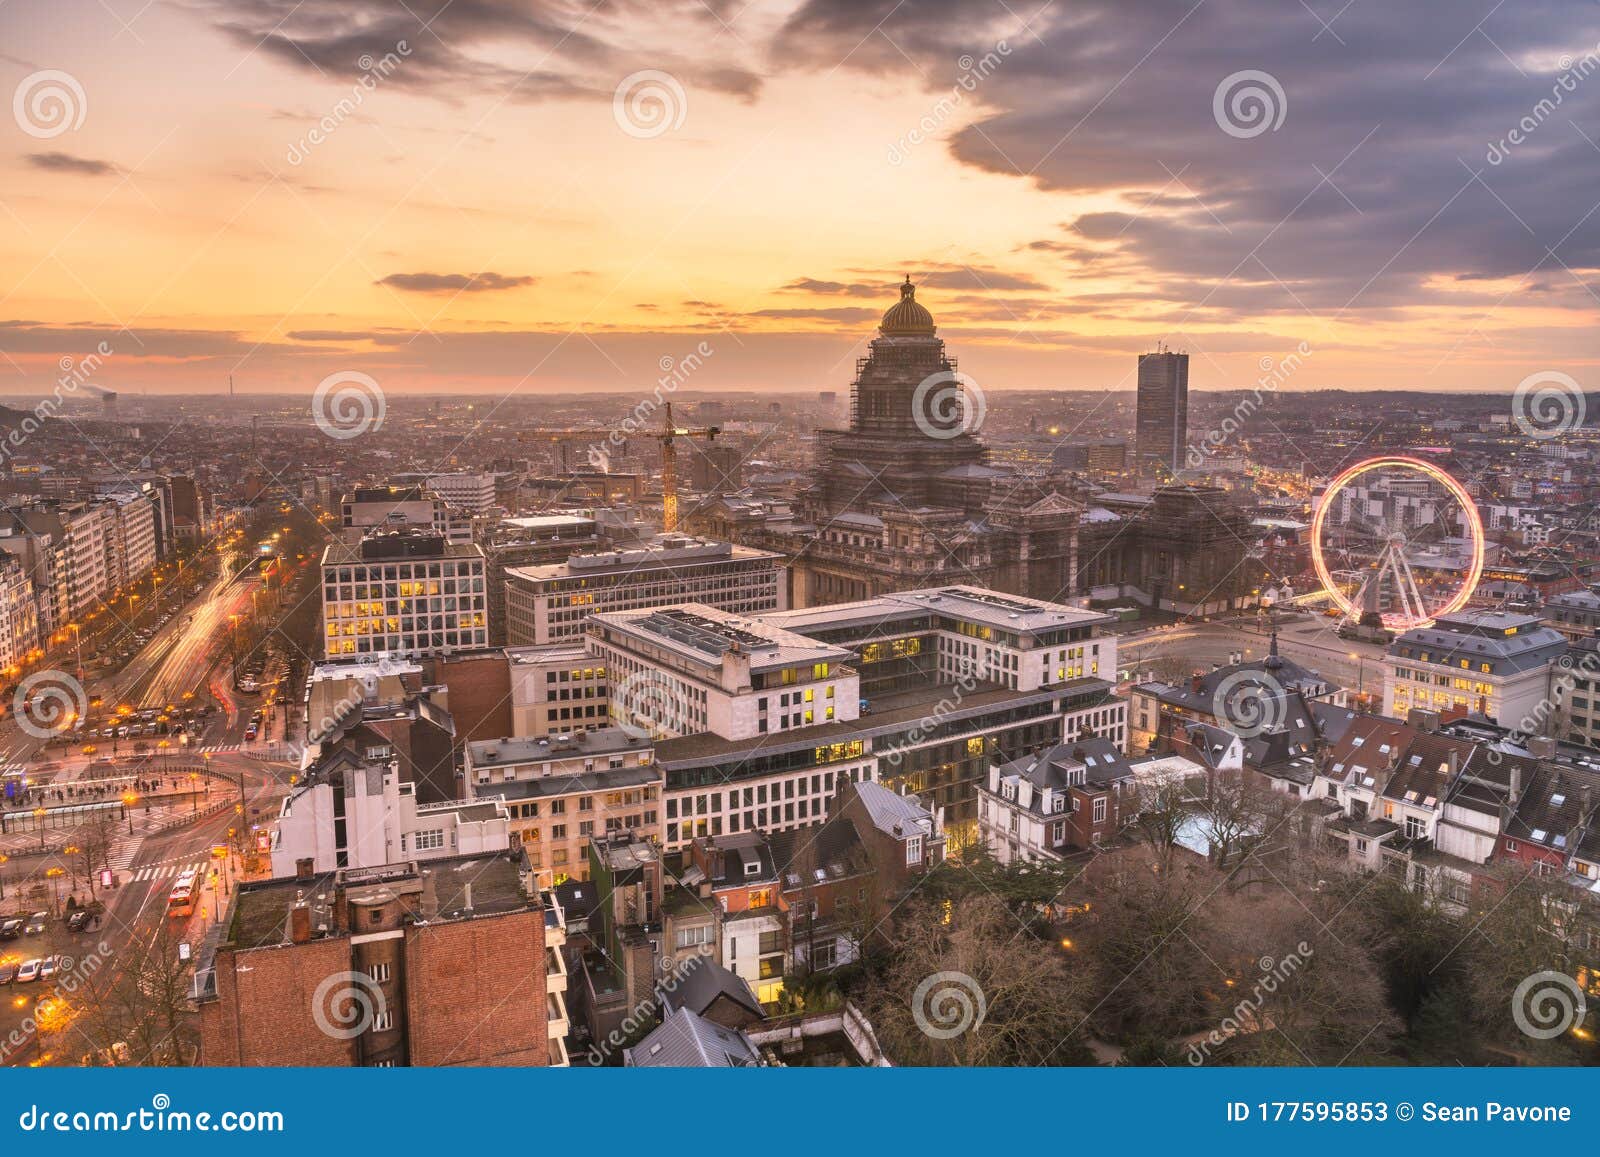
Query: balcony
column 556, row 1015
column 555, row 971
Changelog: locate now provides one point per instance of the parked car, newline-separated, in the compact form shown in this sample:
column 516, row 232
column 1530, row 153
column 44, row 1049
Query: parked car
column 112, row 1057
column 36, row 923
column 11, row 929
column 49, row 966
column 8, row 971
column 78, row 921
column 28, row 970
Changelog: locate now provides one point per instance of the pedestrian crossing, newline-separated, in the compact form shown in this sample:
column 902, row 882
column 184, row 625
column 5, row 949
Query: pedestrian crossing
column 120, row 855
column 220, row 748
column 167, row 871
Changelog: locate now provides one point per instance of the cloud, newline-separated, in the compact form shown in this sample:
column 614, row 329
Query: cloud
column 457, row 50
column 67, row 163
column 1393, row 169
column 849, row 288
column 453, row 282
column 840, row 314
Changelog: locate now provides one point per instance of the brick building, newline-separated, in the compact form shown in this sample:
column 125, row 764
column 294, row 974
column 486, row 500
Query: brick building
column 378, row 967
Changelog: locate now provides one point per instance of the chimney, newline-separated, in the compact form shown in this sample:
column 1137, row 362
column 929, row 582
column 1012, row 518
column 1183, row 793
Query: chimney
column 1196, row 682
column 300, row 922
column 466, row 895
column 305, row 869
column 1514, row 795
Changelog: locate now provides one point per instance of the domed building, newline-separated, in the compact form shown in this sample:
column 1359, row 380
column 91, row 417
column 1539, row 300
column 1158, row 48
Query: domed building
column 907, row 497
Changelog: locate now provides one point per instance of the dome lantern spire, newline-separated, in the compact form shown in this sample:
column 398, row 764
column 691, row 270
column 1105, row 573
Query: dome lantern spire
column 906, row 318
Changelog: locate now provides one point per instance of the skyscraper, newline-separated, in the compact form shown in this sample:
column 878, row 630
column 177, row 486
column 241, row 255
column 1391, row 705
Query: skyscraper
column 1163, row 417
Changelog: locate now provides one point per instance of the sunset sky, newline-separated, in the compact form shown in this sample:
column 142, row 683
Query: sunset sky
column 486, row 217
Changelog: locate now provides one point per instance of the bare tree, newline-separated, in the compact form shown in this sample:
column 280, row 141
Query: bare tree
column 137, row 1006
column 1162, row 812
column 970, row 986
column 1237, row 813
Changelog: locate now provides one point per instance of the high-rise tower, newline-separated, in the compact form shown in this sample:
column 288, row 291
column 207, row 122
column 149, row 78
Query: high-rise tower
column 1163, row 418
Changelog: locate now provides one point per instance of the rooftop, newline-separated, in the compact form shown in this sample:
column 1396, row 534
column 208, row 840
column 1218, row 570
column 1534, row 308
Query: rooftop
column 526, row 749
column 704, row 635
column 259, row 916
column 665, row 552
column 890, row 714
column 973, row 604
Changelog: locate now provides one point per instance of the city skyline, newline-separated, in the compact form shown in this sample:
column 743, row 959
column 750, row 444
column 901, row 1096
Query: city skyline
column 489, row 201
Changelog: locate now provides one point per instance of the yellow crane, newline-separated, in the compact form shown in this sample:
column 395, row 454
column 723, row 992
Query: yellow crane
column 667, row 436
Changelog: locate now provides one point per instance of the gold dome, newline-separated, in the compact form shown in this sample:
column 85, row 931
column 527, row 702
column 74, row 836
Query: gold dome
column 906, row 317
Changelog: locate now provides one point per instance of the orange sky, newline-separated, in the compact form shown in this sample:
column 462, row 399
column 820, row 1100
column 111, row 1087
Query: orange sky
column 191, row 222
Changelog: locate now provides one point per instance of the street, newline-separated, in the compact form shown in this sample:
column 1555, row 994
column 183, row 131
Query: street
column 149, row 810
column 1310, row 641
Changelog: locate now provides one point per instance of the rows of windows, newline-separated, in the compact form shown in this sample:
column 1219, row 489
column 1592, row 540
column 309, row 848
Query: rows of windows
column 771, row 806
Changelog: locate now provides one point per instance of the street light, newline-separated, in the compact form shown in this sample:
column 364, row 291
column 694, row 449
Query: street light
column 128, row 800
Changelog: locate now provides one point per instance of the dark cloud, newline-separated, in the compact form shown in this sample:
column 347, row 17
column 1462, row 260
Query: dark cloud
column 842, row 314
column 847, row 288
column 453, row 282
column 1363, row 195
column 67, row 163
column 453, row 50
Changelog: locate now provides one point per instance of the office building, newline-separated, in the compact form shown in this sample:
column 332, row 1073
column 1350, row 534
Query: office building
column 1493, row 664
column 557, row 689
column 1162, row 421
column 368, row 509
column 552, row 603
column 403, row 592
column 762, row 720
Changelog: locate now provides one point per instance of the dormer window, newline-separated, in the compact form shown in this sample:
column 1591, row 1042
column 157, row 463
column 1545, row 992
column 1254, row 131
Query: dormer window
column 914, row 850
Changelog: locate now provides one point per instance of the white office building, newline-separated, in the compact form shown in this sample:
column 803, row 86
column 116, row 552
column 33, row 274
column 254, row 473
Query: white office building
column 1494, row 664
column 552, row 604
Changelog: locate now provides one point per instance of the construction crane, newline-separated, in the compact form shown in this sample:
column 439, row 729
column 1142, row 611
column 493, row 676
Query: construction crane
column 667, row 436
column 669, row 465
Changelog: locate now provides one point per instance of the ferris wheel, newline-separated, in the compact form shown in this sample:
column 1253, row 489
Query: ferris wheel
column 1386, row 546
